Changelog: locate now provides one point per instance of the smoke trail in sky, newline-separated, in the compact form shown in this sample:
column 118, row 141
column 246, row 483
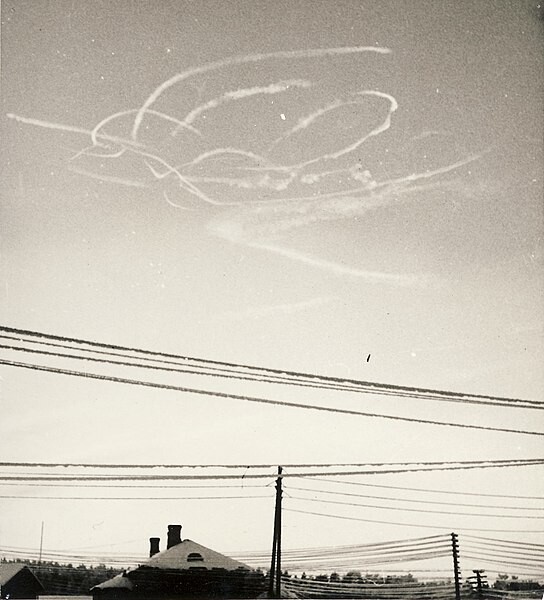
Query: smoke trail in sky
column 274, row 143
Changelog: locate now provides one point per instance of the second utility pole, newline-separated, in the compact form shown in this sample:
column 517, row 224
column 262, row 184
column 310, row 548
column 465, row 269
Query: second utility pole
column 275, row 567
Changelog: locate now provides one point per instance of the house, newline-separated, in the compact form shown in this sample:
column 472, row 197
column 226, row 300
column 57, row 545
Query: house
column 185, row 569
column 18, row 581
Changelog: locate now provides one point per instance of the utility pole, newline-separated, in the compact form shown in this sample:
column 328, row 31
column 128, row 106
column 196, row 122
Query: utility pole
column 480, row 580
column 456, row 570
column 275, row 566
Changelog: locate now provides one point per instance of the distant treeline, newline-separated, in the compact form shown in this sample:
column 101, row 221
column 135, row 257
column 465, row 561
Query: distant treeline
column 358, row 577
column 514, row 584
column 67, row 579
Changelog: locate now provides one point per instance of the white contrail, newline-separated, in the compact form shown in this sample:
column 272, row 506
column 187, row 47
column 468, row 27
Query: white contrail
column 309, row 120
column 73, row 129
column 242, row 93
column 259, row 312
column 109, row 178
column 338, row 268
column 247, row 235
column 96, row 130
column 239, row 60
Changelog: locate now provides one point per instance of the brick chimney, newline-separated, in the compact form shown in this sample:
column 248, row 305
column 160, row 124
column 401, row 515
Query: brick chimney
column 174, row 536
column 154, row 546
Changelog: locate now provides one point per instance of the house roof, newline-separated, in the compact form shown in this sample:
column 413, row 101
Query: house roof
column 183, row 556
column 9, row 570
column 117, row 582
column 190, row 555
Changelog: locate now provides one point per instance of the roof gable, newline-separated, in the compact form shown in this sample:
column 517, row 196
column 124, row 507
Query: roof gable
column 19, row 572
column 9, row 570
column 186, row 556
column 120, row 582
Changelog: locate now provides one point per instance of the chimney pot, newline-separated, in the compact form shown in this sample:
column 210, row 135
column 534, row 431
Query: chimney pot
column 174, row 536
column 154, row 546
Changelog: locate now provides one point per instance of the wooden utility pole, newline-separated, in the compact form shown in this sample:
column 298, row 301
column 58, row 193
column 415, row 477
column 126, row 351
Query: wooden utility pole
column 478, row 573
column 456, row 570
column 274, row 591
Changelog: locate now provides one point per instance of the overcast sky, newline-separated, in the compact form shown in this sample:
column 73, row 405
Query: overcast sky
column 372, row 213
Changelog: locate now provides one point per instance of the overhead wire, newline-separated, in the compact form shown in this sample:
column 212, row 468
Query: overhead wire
column 153, row 485
column 259, row 400
column 374, row 590
column 513, row 461
column 362, row 585
column 263, row 374
column 149, row 486
column 497, row 561
column 376, row 555
column 404, row 524
column 362, row 582
column 70, row 558
column 358, row 563
column 88, row 560
column 429, row 491
column 504, row 549
column 513, row 543
column 363, row 562
column 333, row 555
column 486, row 551
column 417, row 501
column 403, row 545
column 128, row 498
column 418, row 510
column 401, row 391
column 364, row 553
column 162, row 477
column 509, row 594
column 373, row 546
column 368, row 560
column 315, row 591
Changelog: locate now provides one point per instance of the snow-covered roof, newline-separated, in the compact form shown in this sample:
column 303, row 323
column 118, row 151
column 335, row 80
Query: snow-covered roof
column 190, row 555
column 117, row 582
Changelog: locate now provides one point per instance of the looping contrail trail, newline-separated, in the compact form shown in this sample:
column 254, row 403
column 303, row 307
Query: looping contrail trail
column 253, row 185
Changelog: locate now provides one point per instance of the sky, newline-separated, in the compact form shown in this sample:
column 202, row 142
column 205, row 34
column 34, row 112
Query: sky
column 352, row 189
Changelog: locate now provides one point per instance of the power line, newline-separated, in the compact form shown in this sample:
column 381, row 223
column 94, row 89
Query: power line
column 153, row 486
column 511, row 563
column 163, row 477
column 404, row 524
column 377, row 553
column 380, row 560
column 327, row 550
column 399, row 552
column 149, row 486
column 270, row 375
column 495, row 541
column 321, row 491
column 244, row 398
column 502, row 552
column 423, row 590
column 429, row 491
column 418, row 510
column 370, row 547
column 157, row 498
column 500, row 462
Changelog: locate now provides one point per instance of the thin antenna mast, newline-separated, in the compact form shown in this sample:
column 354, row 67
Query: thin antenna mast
column 41, row 545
